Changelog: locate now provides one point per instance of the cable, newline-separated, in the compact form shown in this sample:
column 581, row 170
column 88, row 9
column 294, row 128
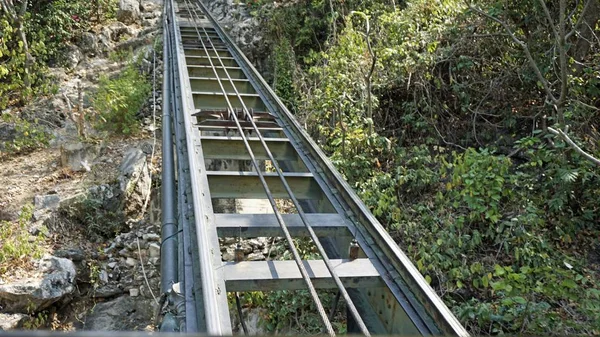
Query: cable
column 288, row 189
column 284, row 228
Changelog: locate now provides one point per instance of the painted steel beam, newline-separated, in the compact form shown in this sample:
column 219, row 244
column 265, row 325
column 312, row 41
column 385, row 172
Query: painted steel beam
column 246, row 185
column 284, row 275
column 233, row 148
column 266, row 225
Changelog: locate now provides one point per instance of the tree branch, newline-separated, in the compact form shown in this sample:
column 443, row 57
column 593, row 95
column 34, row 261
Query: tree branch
column 562, row 56
column 573, row 11
column 8, row 8
column 579, row 20
column 549, row 18
column 23, row 9
column 523, row 46
column 572, row 144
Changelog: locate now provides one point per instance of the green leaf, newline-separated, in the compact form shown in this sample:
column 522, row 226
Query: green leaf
column 485, row 281
column 569, row 283
column 499, row 271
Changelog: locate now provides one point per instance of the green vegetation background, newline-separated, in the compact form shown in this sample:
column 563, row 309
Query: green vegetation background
column 499, row 213
column 441, row 115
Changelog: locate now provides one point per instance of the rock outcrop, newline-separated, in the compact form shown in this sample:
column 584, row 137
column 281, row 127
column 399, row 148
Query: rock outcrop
column 121, row 314
column 134, row 180
column 129, row 11
column 53, row 282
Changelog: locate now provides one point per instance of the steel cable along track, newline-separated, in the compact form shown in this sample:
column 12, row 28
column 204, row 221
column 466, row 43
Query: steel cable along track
column 218, row 112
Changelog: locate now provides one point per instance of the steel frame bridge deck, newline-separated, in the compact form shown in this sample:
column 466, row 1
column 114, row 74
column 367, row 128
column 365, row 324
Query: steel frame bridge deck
column 222, row 109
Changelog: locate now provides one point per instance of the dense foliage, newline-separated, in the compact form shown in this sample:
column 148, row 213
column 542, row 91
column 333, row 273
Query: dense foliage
column 32, row 39
column 17, row 246
column 467, row 165
column 118, row 100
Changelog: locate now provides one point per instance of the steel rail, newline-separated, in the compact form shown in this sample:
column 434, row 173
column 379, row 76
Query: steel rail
column 409, row 287
column 297, row 258
column 291, row 194
column 188, row 204
column 419, row 297
column 168, row 249
column 184, row 305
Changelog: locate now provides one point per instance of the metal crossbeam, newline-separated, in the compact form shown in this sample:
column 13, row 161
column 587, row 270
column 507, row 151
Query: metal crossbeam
column 265, row 225
column 283, row 275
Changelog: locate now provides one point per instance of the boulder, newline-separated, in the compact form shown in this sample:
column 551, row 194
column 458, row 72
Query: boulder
column 125, row 313
column 115, row 30
column 134, row 179
column 88, row 43
column 78, row 156
column 49, row 201
column 11, row 321
column 73, row 254
column 109, row 290
column 71, row 56
column 129, row 11
column 54, row 282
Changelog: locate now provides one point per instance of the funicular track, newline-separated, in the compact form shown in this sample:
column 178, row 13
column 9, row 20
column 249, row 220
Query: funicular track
column 217, row 108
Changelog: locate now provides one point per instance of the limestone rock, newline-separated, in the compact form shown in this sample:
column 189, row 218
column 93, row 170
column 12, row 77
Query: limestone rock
column 154, row 249
column 88, row 43
column 55, row 281
column 49, row 201
column 151, row 237
column 121, row 314
column 72, row 254
column 255, row 257
column 78, row 156
column 11, row 321
column 71, row 56
column 134, row 179
column 129, row 11
column 109, row 290
column 116, row 30
column 134, row 292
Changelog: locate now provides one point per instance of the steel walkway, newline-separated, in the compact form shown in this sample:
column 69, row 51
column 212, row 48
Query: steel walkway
column 218, row 111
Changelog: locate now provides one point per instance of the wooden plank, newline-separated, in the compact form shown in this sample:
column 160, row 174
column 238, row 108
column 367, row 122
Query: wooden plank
column 266, row 225
column 246, row 185
column 215, row 147
column 284, row 275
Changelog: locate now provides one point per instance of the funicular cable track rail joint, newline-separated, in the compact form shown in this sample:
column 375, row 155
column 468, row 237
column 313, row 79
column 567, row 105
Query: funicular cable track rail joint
column 223, row 115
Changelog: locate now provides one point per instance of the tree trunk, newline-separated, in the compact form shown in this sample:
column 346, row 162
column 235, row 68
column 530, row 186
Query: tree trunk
column 29, row 60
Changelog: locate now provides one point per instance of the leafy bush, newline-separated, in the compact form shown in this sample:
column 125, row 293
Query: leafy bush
column 99, row 219
column 119, row 100
column 48, row 26
column 17, row 246
column 29, row 136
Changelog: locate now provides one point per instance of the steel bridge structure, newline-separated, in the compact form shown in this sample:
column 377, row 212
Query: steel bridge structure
column 218, row 109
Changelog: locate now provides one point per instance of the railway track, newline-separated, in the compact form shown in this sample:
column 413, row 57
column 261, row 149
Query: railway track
column 217, row 112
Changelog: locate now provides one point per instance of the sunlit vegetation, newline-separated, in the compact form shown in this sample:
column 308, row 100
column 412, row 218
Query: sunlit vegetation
column 482, row 162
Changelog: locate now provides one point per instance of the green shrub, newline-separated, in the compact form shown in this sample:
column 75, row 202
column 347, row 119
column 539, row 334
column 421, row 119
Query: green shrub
column 119, row 100
column 28, row 137
column 17, row 246
column 98, row 219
